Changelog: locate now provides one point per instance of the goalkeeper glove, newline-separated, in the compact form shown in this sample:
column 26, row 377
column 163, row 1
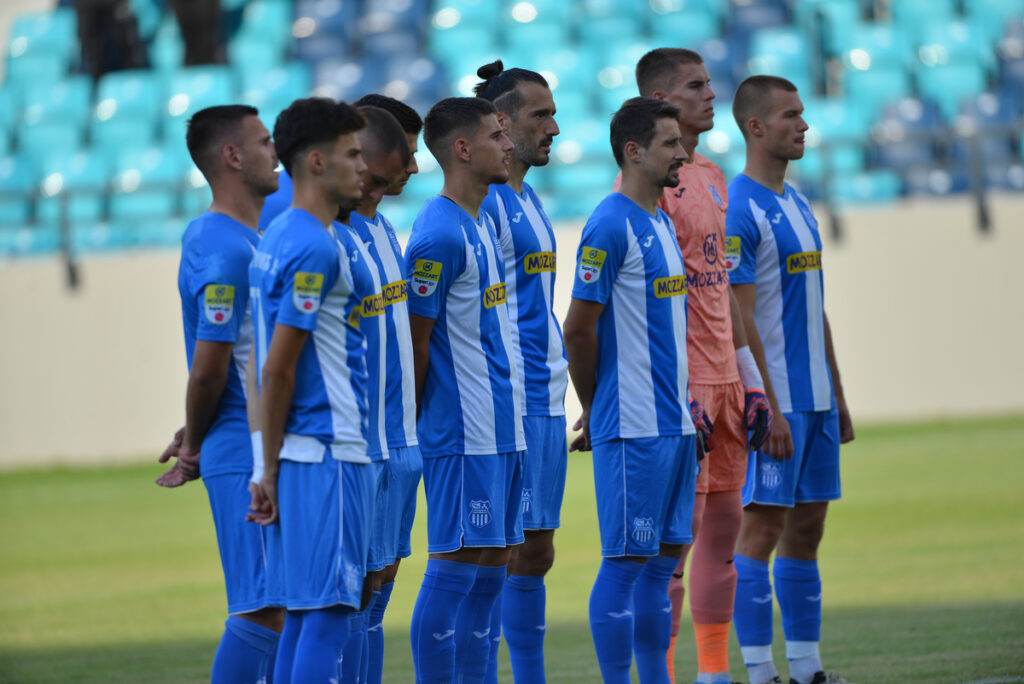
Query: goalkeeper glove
column 759, row 418
column 705, row 428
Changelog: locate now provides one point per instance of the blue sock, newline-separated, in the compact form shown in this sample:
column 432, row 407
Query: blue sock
column 432, row 632
column 491, row 677
column 318, row 652
column 286, row 647
column 752, row 611
column 798, row 588
column 522, row 620
column 375, row 634
column 245, row 652
column 611, row 617
column 357, row 621
column 652, row 625
column 473, row 625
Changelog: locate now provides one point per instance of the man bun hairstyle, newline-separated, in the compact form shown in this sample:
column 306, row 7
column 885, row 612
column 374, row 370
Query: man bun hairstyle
column 312, row 121
column 500, row 86
column 210, row 128
column 657, row 69
column 752, row 98
column 635, row 122
column 450, row 118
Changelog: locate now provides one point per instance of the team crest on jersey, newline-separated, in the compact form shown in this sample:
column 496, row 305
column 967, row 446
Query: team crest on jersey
column 425, row 277
column 714, row 193
column 480, row 513
column 527, row 500
column 307, row 290
column 711, row 248
column 219, row 303
column 643, row 530
column 771, row 474
column 591, row 263
column 733, row 253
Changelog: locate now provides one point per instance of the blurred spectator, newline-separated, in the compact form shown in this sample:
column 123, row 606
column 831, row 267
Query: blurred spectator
column 109, row 36
column 201, row 30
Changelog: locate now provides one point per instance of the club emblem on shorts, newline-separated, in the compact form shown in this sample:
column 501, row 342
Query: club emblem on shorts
column 732, row 251
column 480, row 513
column 219, row 303
column 425, row 276
column 306, row 291
column 643, row 530
column 527, row 499
column 711, row 248
column 591, row 262
column 771, row 474
column 353, row 578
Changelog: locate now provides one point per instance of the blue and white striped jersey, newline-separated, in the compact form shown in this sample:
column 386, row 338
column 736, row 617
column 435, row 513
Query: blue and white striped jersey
column 213, row 281
column 302, row 276
column 471, row 402
column 400, row 378
column 528, row 247
column 629, row 261
column 772, row 241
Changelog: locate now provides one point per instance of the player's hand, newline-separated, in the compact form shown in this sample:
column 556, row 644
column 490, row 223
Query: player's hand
column 172, row 449
column 845, row 423
column 185, row 469
column 702, row 421
column 582, row 441
column 780, row 441
column 759, row 417
column 263, row 507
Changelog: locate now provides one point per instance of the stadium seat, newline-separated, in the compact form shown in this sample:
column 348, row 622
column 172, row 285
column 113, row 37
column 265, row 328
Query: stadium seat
column 907, row 134
column 450, row 13
column 870, row 89
column 745, row 18
column 191, row 89
column 81, row 180
column 826, row 22
column 866, row 187
column 17, row 186
column 782, row 50
column 913, row 15
column 101, row 237
column 535, row 34
column 166, row 50
column 684, row 28
column 127, row 109
column 557, row 11
column 27, row 240
column 949, row 84
column 345, row 79
column 52, row 32
column 1005, row 176
column 936, row 181
column 54, row 118
column 954, row 42
column 273, row 90
column 990, row 16
column 866, row 45
column 147, row 183
column 993, row 117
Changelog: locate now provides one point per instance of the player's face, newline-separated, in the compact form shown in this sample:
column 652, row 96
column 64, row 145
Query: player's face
column 259, row 158
column 490, row 150
column 785, row 125
column 692, row 93
column 381, row 174
column 665, row 154
column 345, row 170
column 534, row 127
column 412, row 168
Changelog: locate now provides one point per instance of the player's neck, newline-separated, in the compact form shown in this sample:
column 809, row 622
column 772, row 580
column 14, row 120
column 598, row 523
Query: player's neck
column 239, row 204
column 516, row 174
column 689, row 140
column 465, row 189
column 367, row 210
column 768, row 171
column 310, row 197
column 640, row 189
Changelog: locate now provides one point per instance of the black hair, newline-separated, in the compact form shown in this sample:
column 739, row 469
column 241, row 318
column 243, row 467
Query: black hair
column 408, row 119
column 500, row 86
column 385, row 134
column 210, row 128
column 751, row 99
column 312, row 121
column 657, row 69
column 635, row 122
column 448, row 118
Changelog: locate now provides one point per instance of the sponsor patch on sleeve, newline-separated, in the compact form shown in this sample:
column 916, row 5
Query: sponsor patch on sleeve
column 733, row 251
column 219, row 303
column 591, row 263
column 425, row 277
column 307, row 291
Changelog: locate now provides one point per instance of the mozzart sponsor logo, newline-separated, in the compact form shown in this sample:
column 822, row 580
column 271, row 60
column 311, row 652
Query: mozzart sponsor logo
column 591, row 263
column 733, row 249
column 539, row 262
column 670, row 286
column 395, row 292
column 494, row 295
column 372, row 305
column 425, row 276
column 306, row 291
column 803, row 261
column 219, row 303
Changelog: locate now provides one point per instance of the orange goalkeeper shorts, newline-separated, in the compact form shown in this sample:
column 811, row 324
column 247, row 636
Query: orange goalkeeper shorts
column 724, row 468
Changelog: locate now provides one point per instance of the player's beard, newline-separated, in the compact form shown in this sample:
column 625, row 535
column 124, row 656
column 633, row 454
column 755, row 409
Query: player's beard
column 530, row 155
column 668, row 181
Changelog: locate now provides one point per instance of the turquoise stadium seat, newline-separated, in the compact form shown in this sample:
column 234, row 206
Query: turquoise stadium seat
column 166, row 50
column 869, row 89
column 147, row 183
column 54, row 118
column 480, row 13
column 950, row 84
column 949, row 42
column 81, row 180
column 782, row 50
column 990, row 16
column 191, row 89
column 101, row 237
column 536, row 35
column 913, row 14
column 18, row 178
column 271, row 91
column 826, row 21
column 557, row 11
column 867, row 187
column 866, row 45
column 52, row 33
column 127, row 109
column 27, row 240
column 684, row 28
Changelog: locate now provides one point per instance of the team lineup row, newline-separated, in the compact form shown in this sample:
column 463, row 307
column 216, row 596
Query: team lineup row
column 329, row 371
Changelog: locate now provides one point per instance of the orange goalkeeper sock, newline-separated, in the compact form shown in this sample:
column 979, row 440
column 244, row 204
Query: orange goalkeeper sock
column 671, row 657
column 712, row 647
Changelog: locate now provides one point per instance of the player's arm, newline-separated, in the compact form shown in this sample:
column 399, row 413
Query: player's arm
column 252, row 412
column 580, row 335
column 780, row 441
column 275, row 400
column 420, row 327
column 206, row 383
column 756, row 408
column 845, row 423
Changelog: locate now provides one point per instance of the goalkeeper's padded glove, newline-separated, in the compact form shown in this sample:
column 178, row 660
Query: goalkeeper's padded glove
column 759, row 418
column 705, row 429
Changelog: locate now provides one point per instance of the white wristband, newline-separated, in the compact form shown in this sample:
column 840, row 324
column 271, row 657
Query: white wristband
column 257, row 457
column 749, row 373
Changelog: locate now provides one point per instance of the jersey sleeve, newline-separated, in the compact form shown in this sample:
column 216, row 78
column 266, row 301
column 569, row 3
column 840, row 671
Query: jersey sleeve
column 221, row 291
column 305, row 278
column 433, row 260
column 598, row 259
column 742, row 237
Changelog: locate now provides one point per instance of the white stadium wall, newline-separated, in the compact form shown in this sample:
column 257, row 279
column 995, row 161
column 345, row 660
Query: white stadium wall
column 927, row 316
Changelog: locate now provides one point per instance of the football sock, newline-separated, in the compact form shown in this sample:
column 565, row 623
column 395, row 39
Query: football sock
column 321, row 645
column 753, row 617
column 286, row 647
column 670, row 658
column 375, row 634
column 357, row 622
column 432, row 632
column 712, row 650
column 522, row 620
column 798, row 588
column 762, row 673
column 611, row 617
column 491, row 676
column 473, row 624
column 653, row 622
column 245, row 653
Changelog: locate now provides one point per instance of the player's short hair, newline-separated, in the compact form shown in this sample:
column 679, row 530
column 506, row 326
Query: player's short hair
column 657, row 69
column 385, row 134
column 407, row 117
column 751, row 98
column 451, row 117
column 212, row 127
column 635, row 122
column 312, row 121
column 500, row 86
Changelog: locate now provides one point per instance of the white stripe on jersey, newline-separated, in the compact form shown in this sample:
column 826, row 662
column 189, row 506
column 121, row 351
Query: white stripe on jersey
column 635, row 382
column 382, row 338
column 667, row 239
column 768, row 314
column 508, row 253
column 821, row 387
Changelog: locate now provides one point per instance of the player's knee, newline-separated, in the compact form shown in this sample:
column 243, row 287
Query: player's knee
column 536, row 560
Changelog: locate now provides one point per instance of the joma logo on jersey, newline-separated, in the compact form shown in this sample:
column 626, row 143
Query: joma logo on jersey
column 306, row 291
column 591, row 263
column 670, row 286
column 802, row 262
column 733, row 246
column 643, row 530
column 425, row 276
column 395, row 292
column 495, row 295
column 219, row 303
column 538, row 262
column 480, row 513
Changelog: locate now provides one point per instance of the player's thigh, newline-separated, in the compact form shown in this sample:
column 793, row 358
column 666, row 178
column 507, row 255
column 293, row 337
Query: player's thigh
column 819, row 475
column 544, row 471
column 381, row 553
column 724, row 468
column 773, row 482
column 406, row 468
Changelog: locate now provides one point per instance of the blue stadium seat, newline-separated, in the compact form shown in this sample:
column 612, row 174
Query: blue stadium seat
column 870, row 89
column 191, row 89
column 936, row 180
column 746, row 18
column 992, row 117
column 18, row 178
column 867, row 187
column 81, row 180
column 1005, row 176
column 720, row 56
column 827, row 22
column 273, row 90
column 949, row 84
column 127, row 109
column 907, row 134
column 346, row 79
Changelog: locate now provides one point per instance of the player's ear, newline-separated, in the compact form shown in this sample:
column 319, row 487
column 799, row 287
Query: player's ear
column 755, row 127
column 231, row 155
column 503, row 120
column 632, row 151
column 460, row 149
column 315, row 161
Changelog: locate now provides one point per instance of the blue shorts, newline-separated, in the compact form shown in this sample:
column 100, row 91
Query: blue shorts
column 547, row 452
column 243, row 553
column 325, row 531
column 377, row 558
column 813, row 472
column 405, row 468
column 645, row 490
column 473, row 501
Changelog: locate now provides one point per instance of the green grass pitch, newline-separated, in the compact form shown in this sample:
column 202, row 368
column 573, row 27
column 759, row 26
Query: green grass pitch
column 106, row 578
